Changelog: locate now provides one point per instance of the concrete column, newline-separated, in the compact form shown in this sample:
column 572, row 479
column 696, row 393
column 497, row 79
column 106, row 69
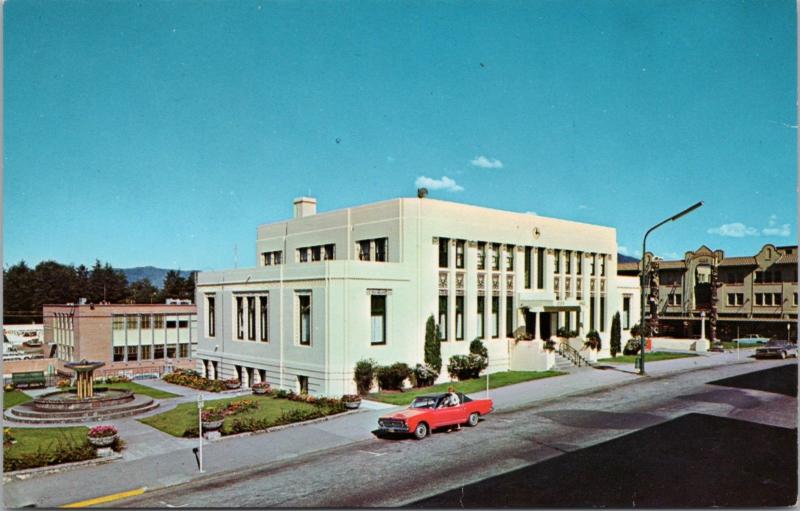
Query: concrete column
column 537, row 330
column 451, row 290
column 501, row 311
column 470, row 291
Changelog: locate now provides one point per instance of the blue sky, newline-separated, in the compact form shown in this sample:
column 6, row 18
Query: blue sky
column 163, row 132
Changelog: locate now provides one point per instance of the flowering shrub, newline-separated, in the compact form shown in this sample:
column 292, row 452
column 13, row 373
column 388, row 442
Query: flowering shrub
column 62, row 384
column 424, row 375
column 9, row 387
column 351, row 398
column 592, row 341
column 261, row 386
column 7, row 436
column 117, row 379
column 102, row 431
column 192, row 380
column 239, row 407
column 465, row 367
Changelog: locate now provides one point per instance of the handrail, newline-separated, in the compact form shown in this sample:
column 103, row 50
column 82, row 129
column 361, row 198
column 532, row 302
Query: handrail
column 571, row 354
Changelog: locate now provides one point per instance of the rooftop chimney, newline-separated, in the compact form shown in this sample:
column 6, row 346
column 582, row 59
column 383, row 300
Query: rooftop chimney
column 305, row 206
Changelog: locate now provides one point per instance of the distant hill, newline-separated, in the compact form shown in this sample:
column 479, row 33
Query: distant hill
column 156, row 275
column 626, row 259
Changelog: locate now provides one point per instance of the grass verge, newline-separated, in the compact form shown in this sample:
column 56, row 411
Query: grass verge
column 39, row 447
column 268, row 412
column 14, row 398
column 496, row 380
column 141, row 389
column 648, row 357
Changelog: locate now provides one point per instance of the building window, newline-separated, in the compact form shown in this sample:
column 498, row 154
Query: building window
column 251, row 318
column 382, row 249
column 329, row 252
column 302, row 255
column 378, row 317
column 170, row 351
column 557, row 262
column 158, row 321
column 540, row 267
column 118, row 323
column 146, row 321
column 591, row 265
column 495, row 256
column 460, row 318
column 271, row 258
column 795, row 298
column 510, row 257
column 509, row 316
column 481, row 328
column 495, row 317
column 158, row 351
column 133, row 353
column 602, row 313
column 304, row 311
column 147, row 352
column 212, row 316
column 119, row 354
column 443, row 317
column 602, row 265
column 364, row 250
column 264, row 317
column 759, row 298
column 183, row 350
column 674, row 299
column 626, row 312
column 444, row 252
column 133, row 322
column 460, row 254
column 239, row 318
column 481, row 255
column 568, row 261
column 777, row 299
column 735, row 299
column 591, row 312
column 316, row 253
column 527, row 269
column 579, row 263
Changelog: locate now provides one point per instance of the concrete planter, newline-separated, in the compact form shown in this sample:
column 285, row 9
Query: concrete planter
column 103, row 441
column 212, row 425
column 259, row 391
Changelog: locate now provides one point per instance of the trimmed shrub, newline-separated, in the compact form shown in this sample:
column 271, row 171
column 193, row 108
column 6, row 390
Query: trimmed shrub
column 631, row 347
column 424, row 375
column 616, row 335
column 592, row 340
column 476, row 347
column 563, row 332
column 433, row 346
column 392, row 377
column 364, row 374
column 465, row 367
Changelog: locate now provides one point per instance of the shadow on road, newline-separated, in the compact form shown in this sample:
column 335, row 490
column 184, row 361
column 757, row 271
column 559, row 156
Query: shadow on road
column 593, row 419
column 779, row 380
column 693, row 461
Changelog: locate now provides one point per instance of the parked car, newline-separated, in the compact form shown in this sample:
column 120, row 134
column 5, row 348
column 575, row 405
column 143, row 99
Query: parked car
column 750, row 340
column 427, row 413
column 777, row 348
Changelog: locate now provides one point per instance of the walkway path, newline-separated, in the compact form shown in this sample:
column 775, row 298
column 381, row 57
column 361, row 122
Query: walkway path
column 157, row 460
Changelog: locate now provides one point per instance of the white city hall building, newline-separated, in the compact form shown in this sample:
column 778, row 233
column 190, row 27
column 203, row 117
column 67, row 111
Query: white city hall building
column 333, row 288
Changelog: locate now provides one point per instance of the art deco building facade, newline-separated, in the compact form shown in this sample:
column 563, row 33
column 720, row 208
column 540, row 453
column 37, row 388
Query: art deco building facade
column 336, row 287
column 738, row 295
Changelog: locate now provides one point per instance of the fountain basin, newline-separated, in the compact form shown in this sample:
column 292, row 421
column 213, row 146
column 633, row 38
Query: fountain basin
column 67, row 400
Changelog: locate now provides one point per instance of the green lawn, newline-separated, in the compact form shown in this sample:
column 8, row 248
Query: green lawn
column 184, row 416
column 14, row 398
column 140, row 389
column 467, row 387
column 648, row 357
column 29, row 440
column 728, row 345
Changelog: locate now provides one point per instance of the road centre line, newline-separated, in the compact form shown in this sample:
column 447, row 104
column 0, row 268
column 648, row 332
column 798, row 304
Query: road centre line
column 107, row 498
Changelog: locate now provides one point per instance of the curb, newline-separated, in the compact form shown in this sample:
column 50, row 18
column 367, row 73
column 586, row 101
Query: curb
column 286, row 426
column 52, row 469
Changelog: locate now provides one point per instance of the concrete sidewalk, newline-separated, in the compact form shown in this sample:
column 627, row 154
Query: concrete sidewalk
column 148, row 465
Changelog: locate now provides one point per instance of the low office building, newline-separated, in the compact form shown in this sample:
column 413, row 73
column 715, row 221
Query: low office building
column 336, row 287
column 737, row 295
column 130, row 338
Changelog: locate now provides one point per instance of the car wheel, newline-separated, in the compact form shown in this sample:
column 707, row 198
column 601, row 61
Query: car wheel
column 472, row 421
column 783, row 354
column 421, row 431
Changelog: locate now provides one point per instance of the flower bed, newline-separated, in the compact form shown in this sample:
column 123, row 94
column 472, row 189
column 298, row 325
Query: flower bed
column 192, row 380
column 40, row 447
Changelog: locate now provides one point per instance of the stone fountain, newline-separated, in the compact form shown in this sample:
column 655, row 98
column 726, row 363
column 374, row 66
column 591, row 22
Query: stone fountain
column 85, row 403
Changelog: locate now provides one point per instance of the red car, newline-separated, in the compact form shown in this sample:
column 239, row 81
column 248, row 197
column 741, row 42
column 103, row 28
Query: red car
column 427, row 413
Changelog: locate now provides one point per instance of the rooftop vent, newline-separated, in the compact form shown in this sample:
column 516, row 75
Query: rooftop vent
column 305, row 206
column 422, row 193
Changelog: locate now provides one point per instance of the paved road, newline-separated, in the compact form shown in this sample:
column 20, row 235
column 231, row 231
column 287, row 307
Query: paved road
column 386, row 473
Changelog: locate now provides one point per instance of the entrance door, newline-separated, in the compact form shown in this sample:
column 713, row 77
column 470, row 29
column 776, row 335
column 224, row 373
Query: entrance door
column 530, row 323
column 545, row 328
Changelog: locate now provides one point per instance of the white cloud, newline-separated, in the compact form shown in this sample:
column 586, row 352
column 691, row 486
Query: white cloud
column 445, row 183
column 734, row 230
column 486, row 163
column 622, row 249
column 784, row 230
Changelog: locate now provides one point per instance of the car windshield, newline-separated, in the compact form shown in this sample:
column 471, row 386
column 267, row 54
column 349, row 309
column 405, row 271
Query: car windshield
column 423, row 402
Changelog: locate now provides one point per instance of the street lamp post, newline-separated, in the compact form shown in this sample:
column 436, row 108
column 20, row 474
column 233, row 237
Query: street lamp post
column 200, row 428
column 644, row 273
